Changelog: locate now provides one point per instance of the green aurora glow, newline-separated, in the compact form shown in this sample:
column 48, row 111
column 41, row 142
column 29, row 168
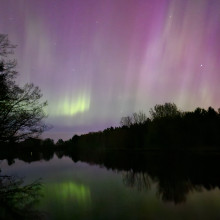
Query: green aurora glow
column 70, row 190
column 71, row 106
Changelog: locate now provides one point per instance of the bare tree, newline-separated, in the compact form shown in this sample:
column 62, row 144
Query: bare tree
column 21, row 111
column 166, row 110
column 126, row 121
column 135, row 118
column 139, row 118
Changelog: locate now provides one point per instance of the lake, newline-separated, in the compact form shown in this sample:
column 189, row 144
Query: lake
column 81, row 190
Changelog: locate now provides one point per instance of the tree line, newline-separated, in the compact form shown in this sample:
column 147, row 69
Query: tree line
column 167, row 127
column 22, row 113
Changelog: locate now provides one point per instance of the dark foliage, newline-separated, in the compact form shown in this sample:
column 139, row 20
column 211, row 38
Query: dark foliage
column 17, row 200
column 168, row 128
column 21, row 111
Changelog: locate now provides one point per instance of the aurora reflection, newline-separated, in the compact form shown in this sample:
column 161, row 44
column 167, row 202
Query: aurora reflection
column 77, row 193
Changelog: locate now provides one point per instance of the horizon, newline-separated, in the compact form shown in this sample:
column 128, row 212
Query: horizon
column 97, row 61
column 66, row 135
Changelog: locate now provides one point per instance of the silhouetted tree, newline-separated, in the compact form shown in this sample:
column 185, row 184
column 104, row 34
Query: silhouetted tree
column 126, row 121
column 166, row 110
column 211, row 112
column 48, row 142
column 139, row 118
column 135, row 118
column 21, row 111
column 60, row 142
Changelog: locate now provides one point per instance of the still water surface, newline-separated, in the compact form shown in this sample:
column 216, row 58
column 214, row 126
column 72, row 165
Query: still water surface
column 78, row 190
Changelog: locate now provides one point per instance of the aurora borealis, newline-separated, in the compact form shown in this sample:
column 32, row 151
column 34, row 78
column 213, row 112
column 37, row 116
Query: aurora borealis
column 98, row 60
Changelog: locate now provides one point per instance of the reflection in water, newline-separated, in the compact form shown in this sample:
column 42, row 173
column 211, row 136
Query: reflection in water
column 70, row 191
column 158, row 182
column 65, row 200
column 17, row 200
column 176, row 190
column 140, row 180
column 174, row 175
column 168, row 189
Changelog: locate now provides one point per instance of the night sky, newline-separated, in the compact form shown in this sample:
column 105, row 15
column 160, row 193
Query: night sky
column 98, row 60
